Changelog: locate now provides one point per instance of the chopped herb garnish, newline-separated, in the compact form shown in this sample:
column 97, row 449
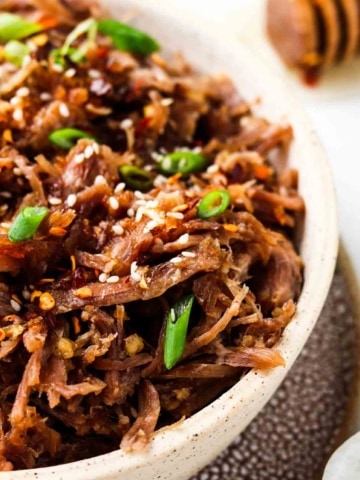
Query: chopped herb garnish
column 176, row 330
column 15, row 52
column 135, row 178
column 182, row 162
column 27, row 223
column 66, row 138
column 128, row 38
column 213, row 204
column 14, row 27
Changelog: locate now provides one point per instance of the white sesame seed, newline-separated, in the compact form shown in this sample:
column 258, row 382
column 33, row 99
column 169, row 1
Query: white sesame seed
column 57, row 68
column 94, row 73
column 113, row 279
column 15, row 306
column 70, row 72
column 136, row 277
column 96, row 148
column 177, row 215
column 184, row 239
column 89, row 151
column 176, row 260
column 119, row 187
column 134, row 274
column 152, row 203
column 139, row 214
column 15, row 101
column 79, row 158
column 26, row 294
column 64, row 110
column 17, row 171
column 213, row 168
column 54, row 200
column 189, row 254
column 18, row 115
column 100, row 180
column 71, row 199
column 23, row 92
column 126, row 123
column 156, row 156
column 139, row 194
column 103, row 277
column 151, row 225
column 45, row 96
column 5, row 194
column 165, row 102
column 117, row 229
column 159, row 180
column 130, row 212
column 114, row 203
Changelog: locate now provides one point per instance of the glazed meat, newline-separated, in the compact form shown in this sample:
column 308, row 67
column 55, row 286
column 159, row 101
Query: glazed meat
column 147, row 227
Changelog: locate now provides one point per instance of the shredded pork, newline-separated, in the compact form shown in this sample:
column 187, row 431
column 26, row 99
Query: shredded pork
column 84, row 302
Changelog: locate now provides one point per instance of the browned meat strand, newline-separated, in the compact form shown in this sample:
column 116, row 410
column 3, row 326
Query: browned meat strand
column 85, row 298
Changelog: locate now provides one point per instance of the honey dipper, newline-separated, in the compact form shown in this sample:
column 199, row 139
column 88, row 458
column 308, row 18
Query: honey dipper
column 312, row 34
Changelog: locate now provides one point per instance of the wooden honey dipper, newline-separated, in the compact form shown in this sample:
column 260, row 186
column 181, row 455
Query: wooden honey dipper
column 312, row 34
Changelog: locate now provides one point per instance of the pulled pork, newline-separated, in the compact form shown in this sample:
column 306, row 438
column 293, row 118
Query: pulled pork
column 84, row 301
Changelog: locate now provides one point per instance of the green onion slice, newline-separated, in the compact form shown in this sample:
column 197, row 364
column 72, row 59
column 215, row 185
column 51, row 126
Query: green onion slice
column 135, row 178
column 14, row 27
column 176, row 330
column 182, row 162
column 15, row 52
column 26, row 223
column 213, row 204
column 67, row 137
column 128, row 38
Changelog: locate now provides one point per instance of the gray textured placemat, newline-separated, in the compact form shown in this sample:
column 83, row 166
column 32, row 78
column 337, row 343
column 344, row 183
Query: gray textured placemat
column 300, row 426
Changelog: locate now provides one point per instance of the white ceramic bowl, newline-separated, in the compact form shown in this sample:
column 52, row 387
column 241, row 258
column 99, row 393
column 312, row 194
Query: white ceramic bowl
column 180, row 451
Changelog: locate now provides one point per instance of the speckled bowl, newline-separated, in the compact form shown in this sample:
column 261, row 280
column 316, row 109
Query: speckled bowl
column 180, row 451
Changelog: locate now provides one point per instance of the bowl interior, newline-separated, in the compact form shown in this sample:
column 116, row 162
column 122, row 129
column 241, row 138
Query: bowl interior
column 179, row 451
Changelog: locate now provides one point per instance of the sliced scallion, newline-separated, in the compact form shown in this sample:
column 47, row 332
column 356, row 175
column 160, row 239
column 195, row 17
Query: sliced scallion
column 135, row 178
column 27, row 223
column 66, row 138
column 214, row 203
column 14, row 27
column 182, row 162
column 15, row 52
column 88, row 27
column 128, row 38
column 176, row 330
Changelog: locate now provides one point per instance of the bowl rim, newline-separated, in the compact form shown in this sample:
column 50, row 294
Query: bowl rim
column 172, row 438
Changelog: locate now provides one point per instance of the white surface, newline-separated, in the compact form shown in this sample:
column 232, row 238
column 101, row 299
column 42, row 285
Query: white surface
column 334, row 105
column 178, row 452
column 345, row 462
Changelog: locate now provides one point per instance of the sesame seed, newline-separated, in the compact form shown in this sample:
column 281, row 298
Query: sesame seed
column 64, row 110
column 114, row 203
column 126, row 123
column 45, row 96
column 213, row 168
column 96, row 148
column 15, row 305
column 103, row 277
column 119, row 187
column 26, row 294
column 70, row 72
column 93, row 73
column 100, row 180
column 118, row 229
column 159, row 181
column 71, row 199
column 18, row 115
column 176, row 260
column 54, row 200
column 156, row 156
column 152, row 204
column 139, row 194
column 113, row 279
column 5, row 194
column 165, row 102
column 134, row 274
column 23, row 92
column 177, row 215
column 184, row 239
column 130, row 212
column 89, row 151
column 139, row 214
column 57, row 68
column 79, row 158
column 189, row 254
column 150, row 226
column 15, row 101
